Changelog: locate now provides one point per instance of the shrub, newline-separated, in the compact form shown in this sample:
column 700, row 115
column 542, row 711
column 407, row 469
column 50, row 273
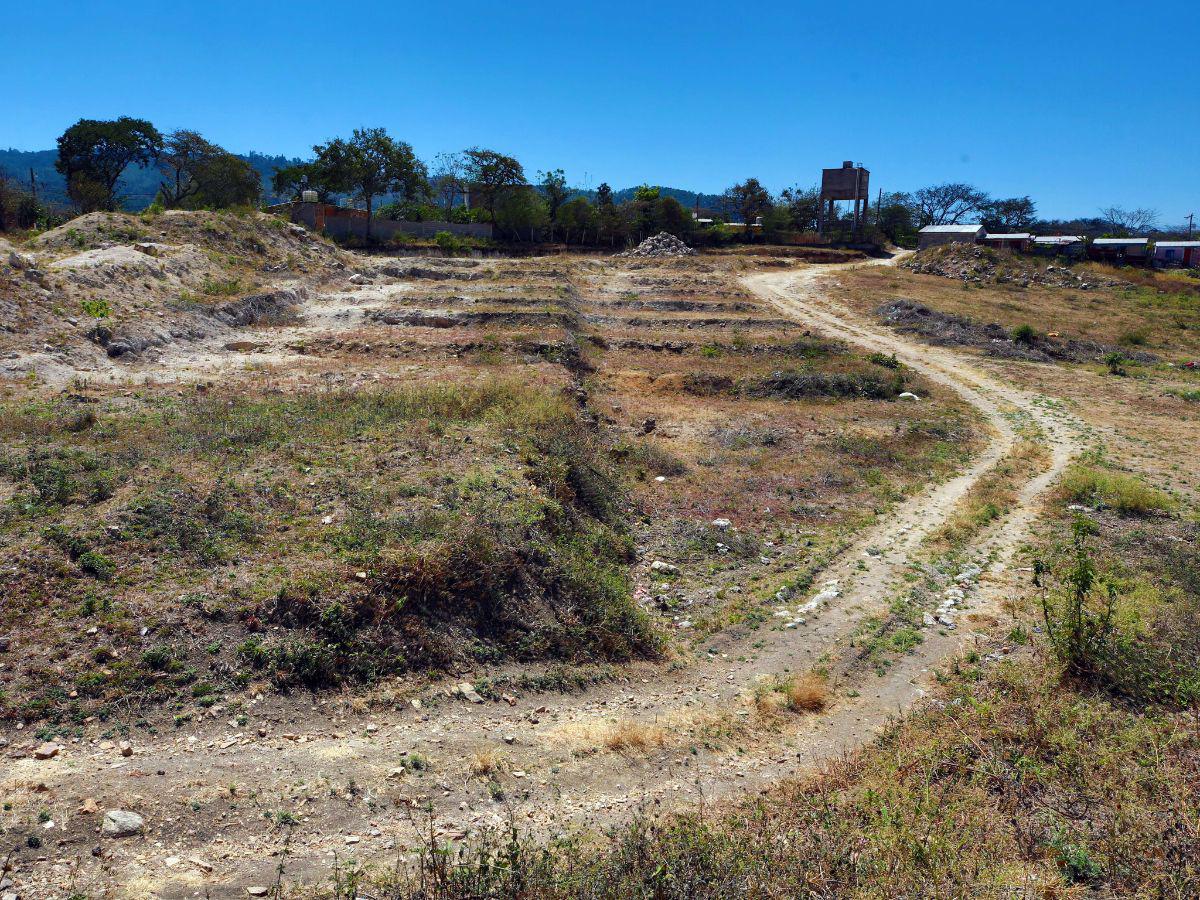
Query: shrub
column 1098, row 641
column 97, row 309
column 1127, row 494
column 1024, row 334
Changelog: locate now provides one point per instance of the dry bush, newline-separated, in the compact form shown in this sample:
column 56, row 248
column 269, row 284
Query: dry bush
column 486, row 762
column 807, row 693
column 797, row 693
column 628, row 736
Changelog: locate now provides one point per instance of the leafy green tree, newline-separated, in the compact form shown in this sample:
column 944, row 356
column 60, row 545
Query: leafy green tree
column 182, row 155
column 749, row 200
column 199, row 174
column 293, row 181
column 226, row 180
column 93, row 153
column 369, row 164
column 645, row 194
column 578, row 217
column 803, row 207
column 897, row 220
column 672, row 217
column 555, row 190
column 522, row 212
column 608, row 218
column 491, row 176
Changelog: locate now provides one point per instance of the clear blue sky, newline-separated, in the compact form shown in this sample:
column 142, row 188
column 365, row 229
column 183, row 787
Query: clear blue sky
column 1078, row 104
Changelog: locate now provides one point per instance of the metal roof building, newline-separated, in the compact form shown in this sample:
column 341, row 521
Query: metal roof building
column 936, row 235
column 1120, row 249
column 1177, row 253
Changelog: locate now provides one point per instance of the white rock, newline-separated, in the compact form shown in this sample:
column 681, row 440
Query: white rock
column 122, row 823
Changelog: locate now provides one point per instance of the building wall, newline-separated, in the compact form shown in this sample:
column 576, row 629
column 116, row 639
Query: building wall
column 1184, row 256
column 938, row 238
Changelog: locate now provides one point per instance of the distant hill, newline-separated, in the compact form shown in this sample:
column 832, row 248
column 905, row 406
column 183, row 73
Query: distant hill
column 136, row 188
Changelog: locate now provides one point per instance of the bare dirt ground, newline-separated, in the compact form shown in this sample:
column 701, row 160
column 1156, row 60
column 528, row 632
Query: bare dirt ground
column 356, row 784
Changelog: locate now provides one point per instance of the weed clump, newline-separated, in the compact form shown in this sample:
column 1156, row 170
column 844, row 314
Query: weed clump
column 1127, row 494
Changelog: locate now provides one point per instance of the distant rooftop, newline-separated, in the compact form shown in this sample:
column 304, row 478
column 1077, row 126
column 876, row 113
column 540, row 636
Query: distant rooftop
column 951, row 229
column 1120, row 242
column 1022, row 236
column 1177, row 245
column 1058, row 239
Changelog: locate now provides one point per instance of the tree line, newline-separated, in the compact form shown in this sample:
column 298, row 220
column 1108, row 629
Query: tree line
column 478, row 184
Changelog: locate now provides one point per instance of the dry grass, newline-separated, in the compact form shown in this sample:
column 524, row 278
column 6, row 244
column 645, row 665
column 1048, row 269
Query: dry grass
column 627, row 736
column 806, row 693
column 991, row 496
column 486, row 762
column 1160, row 310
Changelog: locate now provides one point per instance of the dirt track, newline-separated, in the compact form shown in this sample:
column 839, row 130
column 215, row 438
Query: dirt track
column 345, row 781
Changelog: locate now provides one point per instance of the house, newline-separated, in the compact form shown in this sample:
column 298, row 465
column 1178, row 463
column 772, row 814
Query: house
column 937, row 235
column 1059, row 245
column 1120, row 250
column 1019, row 242
column 1177, row 253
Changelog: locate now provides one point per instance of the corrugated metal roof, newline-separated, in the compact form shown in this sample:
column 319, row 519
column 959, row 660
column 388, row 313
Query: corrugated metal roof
column 1116, row 242
column 951, row 229
column 1058, row 239
column 1177, row 244
column 1023, row 236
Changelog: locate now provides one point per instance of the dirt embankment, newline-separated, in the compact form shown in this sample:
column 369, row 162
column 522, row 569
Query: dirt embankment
column 949, row 330
column 984, row 265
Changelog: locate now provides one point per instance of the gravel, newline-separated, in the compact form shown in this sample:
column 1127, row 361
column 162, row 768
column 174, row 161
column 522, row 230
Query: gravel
column 661, row 244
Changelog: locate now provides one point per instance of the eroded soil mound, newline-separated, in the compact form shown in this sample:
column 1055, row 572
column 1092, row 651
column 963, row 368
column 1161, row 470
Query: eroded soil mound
column 950, row 330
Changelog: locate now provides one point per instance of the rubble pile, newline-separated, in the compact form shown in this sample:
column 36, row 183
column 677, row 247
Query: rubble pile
column 661, row 244
column 983, row 265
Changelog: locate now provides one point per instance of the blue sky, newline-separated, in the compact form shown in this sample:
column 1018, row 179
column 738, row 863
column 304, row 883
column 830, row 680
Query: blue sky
column 1079, row 105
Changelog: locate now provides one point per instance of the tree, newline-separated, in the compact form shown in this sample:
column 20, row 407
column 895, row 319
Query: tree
column 371, row 163
column 803, row 205
column 293, row 181
column 897, row 219
column 948, row 204
column 200, row 174
column 491, row 175
column 1012, row 215
column 554, row 189
column 608, row 218
column 226, row 180
column 578, row 216
column 448, row 179
column 1129, row 221
column 93, row 153
column 182, row 154
column 521, row 211
column 749, row 200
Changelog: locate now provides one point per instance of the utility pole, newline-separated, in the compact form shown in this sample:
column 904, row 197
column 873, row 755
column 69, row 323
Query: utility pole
column 32, row 183
column 1191, row 224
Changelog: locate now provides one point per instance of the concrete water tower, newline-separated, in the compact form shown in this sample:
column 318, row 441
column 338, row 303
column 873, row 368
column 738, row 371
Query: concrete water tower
column 850, row 182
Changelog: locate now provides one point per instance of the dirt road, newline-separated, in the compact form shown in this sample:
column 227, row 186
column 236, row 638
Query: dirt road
column 219, row 805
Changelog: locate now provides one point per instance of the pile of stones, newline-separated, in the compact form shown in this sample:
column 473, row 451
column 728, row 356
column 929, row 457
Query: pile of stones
column 983, row 265
column 661, row 244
